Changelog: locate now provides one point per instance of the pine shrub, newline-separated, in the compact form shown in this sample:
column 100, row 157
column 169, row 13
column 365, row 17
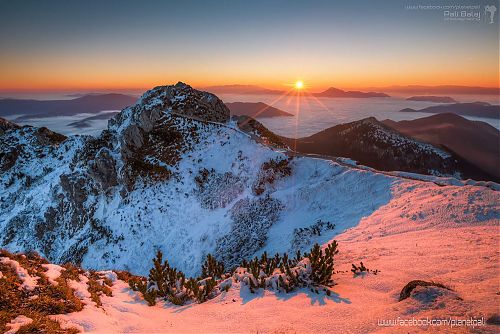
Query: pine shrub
column 212, row 268
column 312, row 270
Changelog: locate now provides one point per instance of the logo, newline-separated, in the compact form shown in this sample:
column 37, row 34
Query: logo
column 490, row 9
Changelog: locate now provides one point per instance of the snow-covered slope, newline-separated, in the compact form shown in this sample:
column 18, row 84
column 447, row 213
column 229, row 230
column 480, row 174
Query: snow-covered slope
column 174, row 173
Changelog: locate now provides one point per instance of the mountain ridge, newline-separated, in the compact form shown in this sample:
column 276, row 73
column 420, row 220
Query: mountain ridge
column 27, row 109
column 477, row 109
column 375, row 144
column 473, row 140
column 255, row 110
column 335, row 92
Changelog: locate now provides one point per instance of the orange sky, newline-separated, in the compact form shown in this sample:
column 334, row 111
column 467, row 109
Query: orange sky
column 95, row 45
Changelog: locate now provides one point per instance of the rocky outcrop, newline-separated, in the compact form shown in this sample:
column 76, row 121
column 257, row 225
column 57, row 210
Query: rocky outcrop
column 103, row 169
column 135, row 122
column 6, row 125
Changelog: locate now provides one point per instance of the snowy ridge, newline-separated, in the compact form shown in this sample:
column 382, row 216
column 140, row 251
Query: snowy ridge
column 388, row 135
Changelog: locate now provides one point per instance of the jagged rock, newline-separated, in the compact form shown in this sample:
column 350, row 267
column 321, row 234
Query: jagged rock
column 184, row 100
column 102, row 169
column 74, row 186
column 8, row 160
column 135, row 122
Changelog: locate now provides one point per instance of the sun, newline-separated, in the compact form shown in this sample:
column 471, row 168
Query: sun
column 299, row 84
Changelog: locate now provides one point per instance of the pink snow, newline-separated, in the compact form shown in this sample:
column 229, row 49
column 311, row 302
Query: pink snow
column 17, row 323
column 53, row 272
column 442, row 234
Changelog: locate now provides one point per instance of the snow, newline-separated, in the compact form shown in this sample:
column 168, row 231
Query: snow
column 29, row 282
column 80, row 288
column 53, row 272
column 446, row 234
column 356, row 304
column 171, row 216
column 17, row 323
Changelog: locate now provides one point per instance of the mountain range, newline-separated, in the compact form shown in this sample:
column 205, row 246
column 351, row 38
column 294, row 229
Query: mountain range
column 380, row 146
column 171, row 164
column 335, row 92
column 475, row 141
column 440, row 89
column 86, row 104
column 432, row 98
column 242, row 89
column 476, row 109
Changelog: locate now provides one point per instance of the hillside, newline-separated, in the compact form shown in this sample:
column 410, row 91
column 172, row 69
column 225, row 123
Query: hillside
column 449, row 244
column 371, row 143
column 475, row 141
column 255, row 110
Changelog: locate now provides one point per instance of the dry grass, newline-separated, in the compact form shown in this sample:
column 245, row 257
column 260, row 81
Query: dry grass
column 98, row 286
column 44, row 300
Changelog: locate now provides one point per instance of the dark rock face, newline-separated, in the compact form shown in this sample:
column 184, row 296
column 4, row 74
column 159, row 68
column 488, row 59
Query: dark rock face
column 48, row 137
column 102, row 169
column 8, row 160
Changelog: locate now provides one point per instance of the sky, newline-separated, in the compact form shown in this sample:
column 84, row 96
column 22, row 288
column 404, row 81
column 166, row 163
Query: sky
column 89, row 45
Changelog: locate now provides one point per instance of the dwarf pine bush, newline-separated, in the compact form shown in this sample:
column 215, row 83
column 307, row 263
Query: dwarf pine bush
column 212, row 268
column 279, row 272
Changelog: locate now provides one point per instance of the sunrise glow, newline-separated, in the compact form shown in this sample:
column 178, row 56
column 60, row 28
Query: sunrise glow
column 207, row 53
column 299, row 84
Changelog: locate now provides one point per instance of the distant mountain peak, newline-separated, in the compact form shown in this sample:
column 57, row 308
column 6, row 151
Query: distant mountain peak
column 336, row 92
column 242, row 89
column 256, row 109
